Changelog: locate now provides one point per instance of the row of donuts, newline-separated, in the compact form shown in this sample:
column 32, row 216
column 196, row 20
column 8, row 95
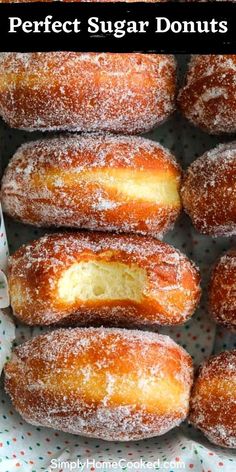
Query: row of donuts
column 119, row 183
column 104, row 382
column 154, row 283
column 122, row 93
column 121, row 385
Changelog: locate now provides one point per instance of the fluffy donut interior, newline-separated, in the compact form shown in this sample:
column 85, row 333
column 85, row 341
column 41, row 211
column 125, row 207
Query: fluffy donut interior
column 96, row 280
column 152, row 186
column 152, row 392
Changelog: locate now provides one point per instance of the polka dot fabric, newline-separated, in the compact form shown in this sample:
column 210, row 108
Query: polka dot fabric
column 7, row 328
column 26, row 448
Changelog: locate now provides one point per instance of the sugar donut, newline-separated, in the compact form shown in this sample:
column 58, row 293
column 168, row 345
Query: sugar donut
column 212, row 405
column 208, row 99
column 90, row 278
column 222, row 293
column 111, row 384
column 122, row 93
column 209, row 191
column 100, row 182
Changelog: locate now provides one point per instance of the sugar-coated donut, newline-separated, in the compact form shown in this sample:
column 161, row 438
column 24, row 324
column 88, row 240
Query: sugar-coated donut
column 123, row 93
column 112, row 384
column 100, row 182
column 222, row 292
column 209, row 191
column 84, row 278
column 212, row 405
column 208, row 99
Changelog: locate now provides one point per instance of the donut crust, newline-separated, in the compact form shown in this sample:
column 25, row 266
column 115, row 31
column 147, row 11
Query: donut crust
column 123, row 93
column 209, row 191
column 222, row 294
column 212, row 404
column 95, row 279
column 208, row 98
column 98, row 182
column 109, row 384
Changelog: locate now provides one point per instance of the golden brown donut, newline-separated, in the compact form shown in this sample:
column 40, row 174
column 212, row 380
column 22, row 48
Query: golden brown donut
column 208, row 98
column 85, row 278
column 209, row 191
column 222, row 290
column 213, row 399
column 101, row 182
column 111, row 384
column 122, row 93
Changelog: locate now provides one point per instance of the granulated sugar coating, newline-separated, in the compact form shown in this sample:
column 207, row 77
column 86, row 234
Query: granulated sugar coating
column 208, row 99
column 123, row 93
column 222, row 293
column 94, row 181
column 106, row 383
column 46, row 276
column 209, row 191
column 213, row 401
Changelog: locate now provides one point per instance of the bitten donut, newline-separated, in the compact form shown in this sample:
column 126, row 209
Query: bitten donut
column 212, row 405
column 208, row 98
column 111, row 384
column 79, row 278
column 122, row 93
column 222, row 290
column 209, row 191
column 100, row 182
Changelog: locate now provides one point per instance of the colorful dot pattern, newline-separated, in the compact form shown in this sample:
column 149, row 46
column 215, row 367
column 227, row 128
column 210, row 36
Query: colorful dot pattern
column 26, row 448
